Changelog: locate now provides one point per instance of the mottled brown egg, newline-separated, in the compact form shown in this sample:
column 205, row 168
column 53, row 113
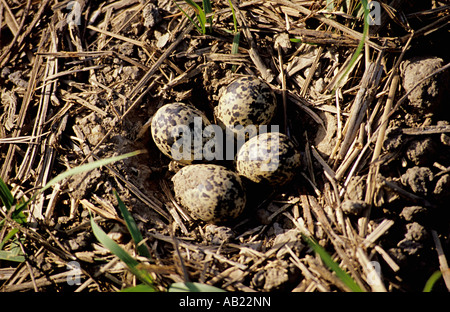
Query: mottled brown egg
column 209, row 192
column 175, row 128
column 246, row 101
column 269, row 158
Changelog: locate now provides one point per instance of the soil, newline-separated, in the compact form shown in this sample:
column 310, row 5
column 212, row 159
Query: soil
column 75, row 93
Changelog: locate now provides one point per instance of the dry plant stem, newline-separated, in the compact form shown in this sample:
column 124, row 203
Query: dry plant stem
column 29, row 267
column 377, row 232
column 176, row 247
column 394, row 266
column 114, row 35
column 283, row 90
column 373, row 173
column 10, row 19
column 312, row 70
column 32, row 82
column 385, row 118
column 375, row 281
column 294, row 259
column 364, row 97
column 4, row 58
column 440, row 23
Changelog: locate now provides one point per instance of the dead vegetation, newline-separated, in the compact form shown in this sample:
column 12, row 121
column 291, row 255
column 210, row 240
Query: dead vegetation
column 374, row 185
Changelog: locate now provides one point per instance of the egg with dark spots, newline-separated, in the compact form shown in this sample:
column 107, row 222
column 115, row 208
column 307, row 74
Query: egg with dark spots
column 270, row 158
column 246, row 101
column 175, row 128
column 209, row 192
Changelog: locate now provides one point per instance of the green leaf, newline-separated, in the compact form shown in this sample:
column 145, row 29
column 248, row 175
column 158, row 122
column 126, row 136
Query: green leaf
column 5, row 195
column 131, row 263
column 234, row 16
column 139, row 288
column 201, row 16
column 87, row 167
column 193, row 287
column 207, row 8
column 8, row 200
column 8, row 237
column 190, row 19
column 432, row 280
column 326, row 258
column 133, row 229
column 359, row 48
column 235, row 46
column 9, row 255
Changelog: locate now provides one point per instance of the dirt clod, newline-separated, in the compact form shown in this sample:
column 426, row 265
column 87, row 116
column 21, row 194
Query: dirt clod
column 418, row 179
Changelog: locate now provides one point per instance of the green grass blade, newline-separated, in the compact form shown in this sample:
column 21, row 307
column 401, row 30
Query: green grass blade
column 193, row 287
column 112, row 246
column 133, row 229
column 8, row 237
column 11, row 256
column 139, row 288
column 189, row 18
column 432, row 280
column 87, row 167
column 18, row 214
column 235, row 46
column 234, row 16
column 207, row 8
column 6, row 196
column 237, row 34
column 359, row 48
column 326, row 258
column 201, row 16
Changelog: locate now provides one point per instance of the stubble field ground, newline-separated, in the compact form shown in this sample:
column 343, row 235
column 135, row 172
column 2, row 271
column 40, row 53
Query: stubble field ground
column 373, row 131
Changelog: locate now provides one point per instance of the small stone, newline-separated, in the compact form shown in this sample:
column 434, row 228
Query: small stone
column 412, row 212
column 415, row 232
column 421, row 151
column 151, row 15
column 218, row 235
column 353, row 207
column 442, row 188
column 290, row 239
column 418, row 179
column 428, row 96
column 276, row 274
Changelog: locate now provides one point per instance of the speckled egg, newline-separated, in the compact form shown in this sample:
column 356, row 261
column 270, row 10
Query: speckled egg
column 209, row 192
column 268, row 158
column 246, row 101
column 175, row 127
